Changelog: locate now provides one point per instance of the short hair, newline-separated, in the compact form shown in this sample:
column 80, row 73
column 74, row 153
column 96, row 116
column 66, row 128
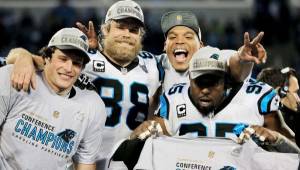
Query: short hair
column 274, row 77
column 46, row 52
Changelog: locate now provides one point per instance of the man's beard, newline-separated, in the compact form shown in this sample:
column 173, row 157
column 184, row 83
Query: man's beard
column 206, row 110
column 122, row 55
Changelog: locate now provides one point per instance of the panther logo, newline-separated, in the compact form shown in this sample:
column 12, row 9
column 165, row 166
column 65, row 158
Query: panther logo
column 228, row 168
column 67, row 135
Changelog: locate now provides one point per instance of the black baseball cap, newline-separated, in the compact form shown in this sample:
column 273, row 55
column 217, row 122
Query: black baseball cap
column 180, row 18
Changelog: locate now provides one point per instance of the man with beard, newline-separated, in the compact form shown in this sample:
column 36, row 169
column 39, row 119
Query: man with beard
column 211, row 105
column 125, row 79
column 285, row 82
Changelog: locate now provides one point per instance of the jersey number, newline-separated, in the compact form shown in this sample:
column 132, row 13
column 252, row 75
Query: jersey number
column 135, row 114
column 201, row 130
column 254, row 87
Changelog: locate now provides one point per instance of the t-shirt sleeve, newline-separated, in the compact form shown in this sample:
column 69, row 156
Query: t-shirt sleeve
column 5, row 92
column 90, row 145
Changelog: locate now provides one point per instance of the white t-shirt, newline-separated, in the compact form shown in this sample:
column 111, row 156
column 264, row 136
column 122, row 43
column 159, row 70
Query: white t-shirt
column 42, row 130
column 170, row 153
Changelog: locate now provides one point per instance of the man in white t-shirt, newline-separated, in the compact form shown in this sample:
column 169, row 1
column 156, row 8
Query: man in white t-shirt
column 57, row 123
column 125, row 77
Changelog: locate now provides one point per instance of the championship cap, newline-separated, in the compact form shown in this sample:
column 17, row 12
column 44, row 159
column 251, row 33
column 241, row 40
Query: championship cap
column 125, row 9
column 180, row 18
column 71, row 38
column 207, row 61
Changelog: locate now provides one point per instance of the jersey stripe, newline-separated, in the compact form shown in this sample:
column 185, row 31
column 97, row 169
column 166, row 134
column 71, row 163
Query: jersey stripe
column 265, row 101
column 164, row 109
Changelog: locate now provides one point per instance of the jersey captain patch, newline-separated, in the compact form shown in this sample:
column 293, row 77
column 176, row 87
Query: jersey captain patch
column 98, row 66
column 181, row 110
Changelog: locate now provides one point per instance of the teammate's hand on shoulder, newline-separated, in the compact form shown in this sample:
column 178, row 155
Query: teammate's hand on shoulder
column 90, row 33
column 146, row 129
column 23, row 73
column 253, row 51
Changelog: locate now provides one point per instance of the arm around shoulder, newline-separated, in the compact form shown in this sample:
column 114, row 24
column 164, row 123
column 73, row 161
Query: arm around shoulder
column 21, row 53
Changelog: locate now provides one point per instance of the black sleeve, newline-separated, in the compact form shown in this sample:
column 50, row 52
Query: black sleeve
column 129, row 152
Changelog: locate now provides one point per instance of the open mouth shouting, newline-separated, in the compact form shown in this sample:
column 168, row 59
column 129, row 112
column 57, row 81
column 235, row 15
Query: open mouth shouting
column 180, row 55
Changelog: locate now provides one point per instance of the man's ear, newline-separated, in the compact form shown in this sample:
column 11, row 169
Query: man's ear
column 201, row 44
column 47, row 60
column 104, row 31
column 165, row 48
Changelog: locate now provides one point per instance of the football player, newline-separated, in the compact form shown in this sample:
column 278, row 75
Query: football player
column 183, row 39
column 125, row 77
column 285, row 82
column 56, row 124
column 212, row 105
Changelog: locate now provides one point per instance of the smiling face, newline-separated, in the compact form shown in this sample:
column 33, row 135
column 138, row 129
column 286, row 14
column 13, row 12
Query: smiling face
column 62, row 70
column 207, row 92
column 122, row 40
column 181, row 43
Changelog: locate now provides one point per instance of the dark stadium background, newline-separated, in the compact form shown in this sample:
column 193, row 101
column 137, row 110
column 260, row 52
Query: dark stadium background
column 30, row 23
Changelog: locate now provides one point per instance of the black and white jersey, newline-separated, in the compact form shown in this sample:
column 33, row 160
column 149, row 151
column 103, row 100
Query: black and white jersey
column 247, row 103
column 125, row 91
column 171, row 76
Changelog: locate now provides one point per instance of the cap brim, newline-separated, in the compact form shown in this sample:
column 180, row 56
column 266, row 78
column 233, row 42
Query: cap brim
column 198, row 73
column 126, row 16
column 69, row 47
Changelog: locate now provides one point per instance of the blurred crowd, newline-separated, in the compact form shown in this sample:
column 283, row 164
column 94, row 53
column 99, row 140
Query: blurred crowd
column 274, row 17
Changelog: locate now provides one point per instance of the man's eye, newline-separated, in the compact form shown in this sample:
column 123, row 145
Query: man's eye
column 78, row 64
column 134, row 30
column 63, row 59
column 172, row 37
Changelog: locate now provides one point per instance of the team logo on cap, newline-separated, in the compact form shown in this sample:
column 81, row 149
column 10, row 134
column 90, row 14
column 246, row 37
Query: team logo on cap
column 215, row 56
column 137, row 8
column 83, row 37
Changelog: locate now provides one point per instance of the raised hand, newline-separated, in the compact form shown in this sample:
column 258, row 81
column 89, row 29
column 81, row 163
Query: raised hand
column 253, row 51
column 90, row 33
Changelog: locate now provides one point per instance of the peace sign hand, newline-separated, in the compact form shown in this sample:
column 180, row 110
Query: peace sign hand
column 253, row 51
column 90, row 33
